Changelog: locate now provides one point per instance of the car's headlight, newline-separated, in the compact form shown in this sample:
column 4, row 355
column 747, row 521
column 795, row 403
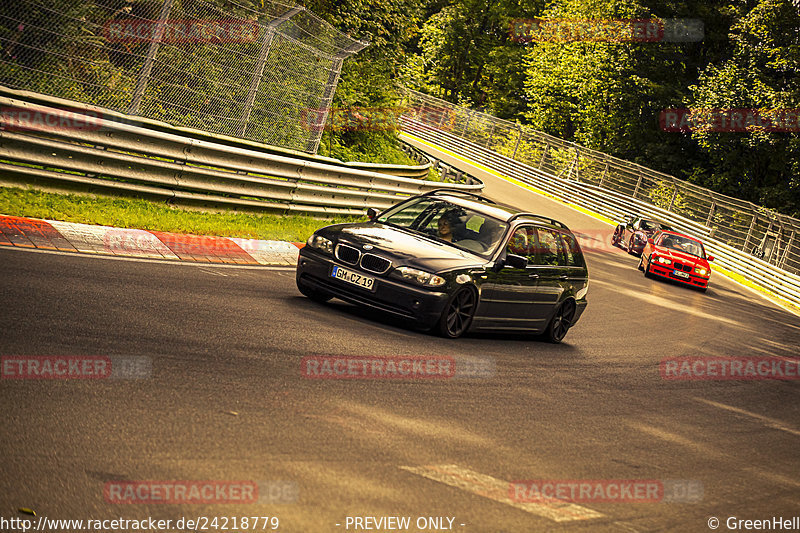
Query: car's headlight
column 320, row 243
column 420, row 276
column 663, row 260
column 701, row 271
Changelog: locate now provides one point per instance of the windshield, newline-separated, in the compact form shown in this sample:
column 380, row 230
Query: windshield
column 648, row 225
column 683, row 244
column 444, row 221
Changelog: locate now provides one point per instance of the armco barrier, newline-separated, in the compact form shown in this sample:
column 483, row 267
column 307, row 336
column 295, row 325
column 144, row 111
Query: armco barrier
column 117, row 157
column 409, row 171
column 613, row 205
column 750, row 228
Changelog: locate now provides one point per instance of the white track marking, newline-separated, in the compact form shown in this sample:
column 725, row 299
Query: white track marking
column 117, row 241
column 266, row 252
column 497, row 490
column 767, row 421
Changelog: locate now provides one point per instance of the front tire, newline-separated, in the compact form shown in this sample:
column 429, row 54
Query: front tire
column 457, row 315
column 646, row 269
column 312, row 294
column 560, row 323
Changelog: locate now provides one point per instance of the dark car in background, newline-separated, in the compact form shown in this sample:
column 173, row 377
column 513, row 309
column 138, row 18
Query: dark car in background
column 633, row 233
column 454, row 262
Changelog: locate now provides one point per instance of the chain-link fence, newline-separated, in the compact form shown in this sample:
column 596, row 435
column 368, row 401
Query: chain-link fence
column 753, row 229
column 259, row 69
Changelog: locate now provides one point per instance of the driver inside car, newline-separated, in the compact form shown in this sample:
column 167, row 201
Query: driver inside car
column 446, row 225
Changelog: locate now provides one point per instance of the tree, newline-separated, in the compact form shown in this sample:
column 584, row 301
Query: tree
column 763, row 73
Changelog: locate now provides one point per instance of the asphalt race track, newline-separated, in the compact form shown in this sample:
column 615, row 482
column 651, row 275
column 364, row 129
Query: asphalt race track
column 226, row 400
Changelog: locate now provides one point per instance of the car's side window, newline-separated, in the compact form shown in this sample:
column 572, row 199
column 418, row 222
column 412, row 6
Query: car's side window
column 549, row 249
column 521, row 243
column 573, row 251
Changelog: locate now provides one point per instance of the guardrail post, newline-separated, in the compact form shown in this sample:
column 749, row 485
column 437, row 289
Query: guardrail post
column 330, row 88
column 638, row 184
column 466, row 124
column 711, row 213
column 441, row 119
column 571, row 167
column 604, row 174
column 544, row 154
column 152, row 50
column 749, row 233
column 519, row 138
column 782, row 263
column 674, row 196
column 258, row 72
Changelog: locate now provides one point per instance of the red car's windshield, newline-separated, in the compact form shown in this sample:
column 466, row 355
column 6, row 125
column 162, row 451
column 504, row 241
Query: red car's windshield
column 682, row 244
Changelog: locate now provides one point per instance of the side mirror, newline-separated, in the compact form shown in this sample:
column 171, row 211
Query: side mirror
column 516, row 261
column 710, row 258
column 372, row 213
column 650, row 240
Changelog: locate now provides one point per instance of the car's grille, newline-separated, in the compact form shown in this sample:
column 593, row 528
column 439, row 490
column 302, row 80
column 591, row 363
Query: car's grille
column 347, row 254
column 374, row 263
column 681, row 266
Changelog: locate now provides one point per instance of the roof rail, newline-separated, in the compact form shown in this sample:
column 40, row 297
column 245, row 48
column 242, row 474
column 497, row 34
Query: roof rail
column 539, row 217
column 459, row 191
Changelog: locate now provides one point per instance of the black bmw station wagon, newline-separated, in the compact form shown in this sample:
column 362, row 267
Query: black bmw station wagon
column 454, row 262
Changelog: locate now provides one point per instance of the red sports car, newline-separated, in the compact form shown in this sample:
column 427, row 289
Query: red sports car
column 677, row 257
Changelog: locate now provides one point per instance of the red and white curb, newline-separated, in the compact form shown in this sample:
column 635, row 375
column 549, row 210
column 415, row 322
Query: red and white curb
column 86, row 238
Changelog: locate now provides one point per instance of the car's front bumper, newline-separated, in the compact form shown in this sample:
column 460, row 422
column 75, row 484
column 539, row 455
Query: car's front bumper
column 388, row 295
column 668, row 272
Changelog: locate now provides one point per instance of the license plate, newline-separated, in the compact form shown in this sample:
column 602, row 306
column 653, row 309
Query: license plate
column 679, row 274
column 354, row 278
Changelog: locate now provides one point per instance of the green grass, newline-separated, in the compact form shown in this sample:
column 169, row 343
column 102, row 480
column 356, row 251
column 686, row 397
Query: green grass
column 144, row 214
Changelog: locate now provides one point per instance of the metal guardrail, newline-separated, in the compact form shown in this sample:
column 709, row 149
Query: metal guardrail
column 112, row 157
column 614, row 205
column 753, row 229
column 409, row 171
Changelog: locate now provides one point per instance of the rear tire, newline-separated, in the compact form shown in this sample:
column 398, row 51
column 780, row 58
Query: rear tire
column 630, row 246
column 616, row 237
column 457, row 315
column 560, row 323
column 312, row 294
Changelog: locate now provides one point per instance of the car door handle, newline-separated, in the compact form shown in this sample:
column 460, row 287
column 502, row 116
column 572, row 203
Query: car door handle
column 563, row 278
column 533, row 276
